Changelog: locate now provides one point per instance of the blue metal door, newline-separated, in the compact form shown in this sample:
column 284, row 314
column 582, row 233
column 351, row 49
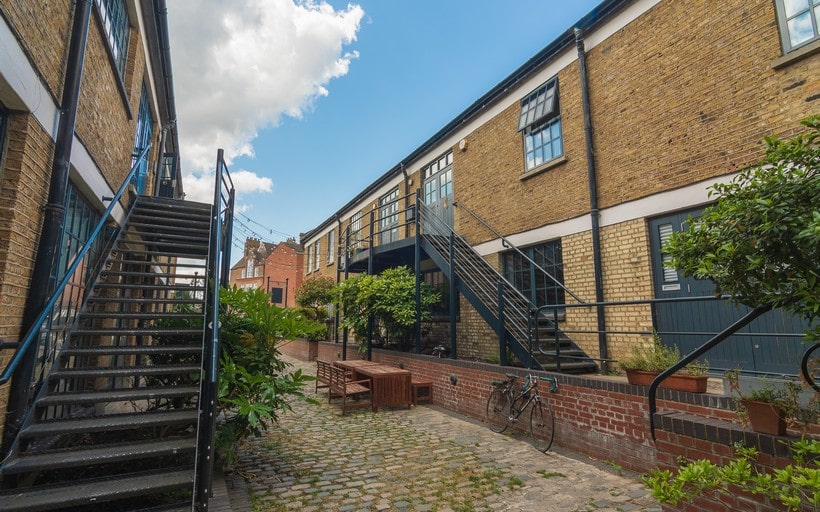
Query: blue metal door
column 770, row 344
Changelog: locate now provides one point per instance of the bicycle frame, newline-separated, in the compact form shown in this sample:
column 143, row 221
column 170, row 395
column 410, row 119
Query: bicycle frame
column 529, row 392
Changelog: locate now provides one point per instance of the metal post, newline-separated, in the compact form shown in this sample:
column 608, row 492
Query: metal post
column 417, row 259
column 557, row 340
column 502, row 341
column 286, row 291
column 370, row 272
column 453, row 309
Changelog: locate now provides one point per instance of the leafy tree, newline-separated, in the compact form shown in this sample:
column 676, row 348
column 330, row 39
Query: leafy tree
column 314, row 295
column 760, row 242
column 254, row 385
column 390, row 297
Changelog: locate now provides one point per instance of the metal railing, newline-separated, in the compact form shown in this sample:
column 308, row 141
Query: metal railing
column 46, row 343
column 219, row 255
column 79, row 263
column 507, row 244
column 496, row 293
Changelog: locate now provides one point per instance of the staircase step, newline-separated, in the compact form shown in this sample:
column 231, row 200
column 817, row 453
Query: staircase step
column 182, row 234
column 164, row 254
column 110, row 422
column 85, row 456
column 107, row 350
column 90, row 492
column 122, row 371
column 161, row 275
column 164, row 287
column 117, row 395
column 154, row 315
column 150, row 331
column 141, row 300
column 186, row 263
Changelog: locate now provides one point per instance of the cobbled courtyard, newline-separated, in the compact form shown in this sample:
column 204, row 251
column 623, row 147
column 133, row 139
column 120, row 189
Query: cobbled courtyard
column 419, row 459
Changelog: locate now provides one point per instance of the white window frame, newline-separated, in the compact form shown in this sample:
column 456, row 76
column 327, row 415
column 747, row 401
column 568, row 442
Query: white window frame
column 331, row 246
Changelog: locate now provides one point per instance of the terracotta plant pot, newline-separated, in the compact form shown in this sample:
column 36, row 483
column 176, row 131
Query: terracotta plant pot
column 765, row 417
column 677, row 381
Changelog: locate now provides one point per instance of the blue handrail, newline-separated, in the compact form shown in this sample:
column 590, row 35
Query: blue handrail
column 31, row 335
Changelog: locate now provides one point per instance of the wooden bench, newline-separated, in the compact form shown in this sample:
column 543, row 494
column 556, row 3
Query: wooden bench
column 422, row 390
column 322, row 374
column 341, row 386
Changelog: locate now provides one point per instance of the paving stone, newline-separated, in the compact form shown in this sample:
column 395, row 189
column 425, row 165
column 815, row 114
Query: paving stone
column 419, row 459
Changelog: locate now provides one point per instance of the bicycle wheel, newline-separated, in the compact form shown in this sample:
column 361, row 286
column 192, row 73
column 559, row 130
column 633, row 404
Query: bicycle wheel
column 498, row 410
column 542, row 425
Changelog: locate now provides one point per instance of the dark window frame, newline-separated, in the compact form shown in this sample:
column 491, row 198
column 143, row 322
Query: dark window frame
column 532, row 283
column 539, row 121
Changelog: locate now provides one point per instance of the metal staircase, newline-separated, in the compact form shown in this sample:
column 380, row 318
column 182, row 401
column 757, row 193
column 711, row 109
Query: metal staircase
column 499, row 303
column 114, row 425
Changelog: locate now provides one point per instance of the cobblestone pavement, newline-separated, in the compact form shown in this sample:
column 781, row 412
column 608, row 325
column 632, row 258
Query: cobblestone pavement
column 419, row 459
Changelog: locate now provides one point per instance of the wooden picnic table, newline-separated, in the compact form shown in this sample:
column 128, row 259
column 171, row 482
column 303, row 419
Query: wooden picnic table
column 390, row 386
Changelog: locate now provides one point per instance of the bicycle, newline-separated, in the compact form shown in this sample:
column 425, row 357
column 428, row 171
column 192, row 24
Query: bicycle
column 505, row 405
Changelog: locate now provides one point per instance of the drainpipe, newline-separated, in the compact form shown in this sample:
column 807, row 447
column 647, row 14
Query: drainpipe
column 160, row 161
column 43, row 276
column 167, row 76
column 594, row 212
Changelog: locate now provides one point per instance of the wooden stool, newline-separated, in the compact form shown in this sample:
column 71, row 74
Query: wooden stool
column 422, row 391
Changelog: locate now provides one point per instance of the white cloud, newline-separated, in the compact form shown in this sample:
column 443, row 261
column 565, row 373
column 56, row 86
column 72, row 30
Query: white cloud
column 239, row 65
column 200, row 186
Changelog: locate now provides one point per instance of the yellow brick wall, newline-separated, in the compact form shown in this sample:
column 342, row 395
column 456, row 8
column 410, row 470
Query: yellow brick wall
column 45, row 26
column 687, row 92
column 487, row 176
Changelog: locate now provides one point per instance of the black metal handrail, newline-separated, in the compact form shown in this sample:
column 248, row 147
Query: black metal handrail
column 219, row 255
column 26, row 343
column 506, row 243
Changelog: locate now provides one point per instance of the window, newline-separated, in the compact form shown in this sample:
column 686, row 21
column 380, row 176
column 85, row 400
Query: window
column 4, row 121
column 331, row 246
column 114, row 17
column 309, row 259
column 249, row 269
column 798, row 21
column 142, row 139
column 438, row 281
column 540, row 123
column 531, row 281
column 389, row 216
column 243, row 273
column 317, row 253
column 670, row 274
column 438, row 179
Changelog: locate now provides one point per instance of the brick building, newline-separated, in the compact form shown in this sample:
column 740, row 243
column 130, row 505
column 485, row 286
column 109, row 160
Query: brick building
column 276, row 268
column 566, row 178
column 72, row 119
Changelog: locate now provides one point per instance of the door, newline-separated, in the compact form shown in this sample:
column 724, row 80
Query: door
column 438, row 189
column 770, row 344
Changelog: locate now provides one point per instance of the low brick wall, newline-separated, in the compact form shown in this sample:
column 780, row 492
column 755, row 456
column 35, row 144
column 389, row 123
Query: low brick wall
column 600, row 417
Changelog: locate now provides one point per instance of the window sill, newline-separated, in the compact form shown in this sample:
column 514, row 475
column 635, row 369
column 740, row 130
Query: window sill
column 793, row 56
column 561, row 160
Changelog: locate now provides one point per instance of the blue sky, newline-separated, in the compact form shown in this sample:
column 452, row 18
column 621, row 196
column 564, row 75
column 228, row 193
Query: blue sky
column 336, row 96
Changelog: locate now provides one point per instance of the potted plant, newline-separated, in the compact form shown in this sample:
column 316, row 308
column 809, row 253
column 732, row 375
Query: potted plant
column 771, row 407
column 645, row 363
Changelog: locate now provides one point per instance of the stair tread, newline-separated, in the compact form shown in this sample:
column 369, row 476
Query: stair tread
column 110, row 422
column 89, row 492
column 131, row 349
column 89, row 454
column 121, row 371
column 117, row 395
column 137, row 332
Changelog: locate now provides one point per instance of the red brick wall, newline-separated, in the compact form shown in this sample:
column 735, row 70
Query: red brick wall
column 604, row 419
column 285, row 263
